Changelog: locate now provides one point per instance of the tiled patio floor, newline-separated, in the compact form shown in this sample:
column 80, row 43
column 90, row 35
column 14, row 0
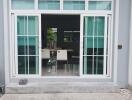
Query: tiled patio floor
column 123, row 95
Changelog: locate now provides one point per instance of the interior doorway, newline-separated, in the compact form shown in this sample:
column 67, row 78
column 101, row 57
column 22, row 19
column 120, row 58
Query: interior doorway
column 60, row 39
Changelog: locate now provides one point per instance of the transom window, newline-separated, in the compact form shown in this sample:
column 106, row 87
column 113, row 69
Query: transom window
column 49, row 4
column 74, row 5
column 61, row 5
column 22, row 4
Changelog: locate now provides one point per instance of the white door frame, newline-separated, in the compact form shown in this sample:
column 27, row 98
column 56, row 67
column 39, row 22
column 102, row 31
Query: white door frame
column 81, row 47
column 16, row 53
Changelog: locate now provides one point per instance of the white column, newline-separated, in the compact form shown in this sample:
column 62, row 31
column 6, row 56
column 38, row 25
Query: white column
column 61, row 4
column 130, row 52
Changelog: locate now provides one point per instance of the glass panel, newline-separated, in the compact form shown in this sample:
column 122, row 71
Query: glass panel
column 21, row 25
column 98, row 46
column 22, row 45
column 99, row 26
column 22, row 4
column 89, row 26
column 33, row 64
column 28, row 45
column 88, row 46
column 93, row 66
column 93, row 45
column 99, row 5
column 74, row 5
column 49, row 4
column 88, row 64
column 22, row 65
column 98, row 64
column 32, row 25
column 33, row 45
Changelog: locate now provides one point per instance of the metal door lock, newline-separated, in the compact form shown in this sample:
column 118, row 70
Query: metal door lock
column 120, row 46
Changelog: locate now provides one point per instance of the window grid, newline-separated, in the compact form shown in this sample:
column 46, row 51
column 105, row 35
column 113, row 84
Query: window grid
column 93, row 55
column 27, row 54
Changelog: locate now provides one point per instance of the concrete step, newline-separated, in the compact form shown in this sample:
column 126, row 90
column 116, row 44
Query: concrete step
column 62, row 87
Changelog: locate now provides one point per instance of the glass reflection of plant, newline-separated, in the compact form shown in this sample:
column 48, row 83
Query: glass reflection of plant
column 51, row 38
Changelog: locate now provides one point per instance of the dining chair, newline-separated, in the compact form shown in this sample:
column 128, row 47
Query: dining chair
column 45, row 54
column 62, row 56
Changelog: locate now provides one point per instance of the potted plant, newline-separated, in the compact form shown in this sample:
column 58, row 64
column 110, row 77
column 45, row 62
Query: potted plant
column 51, row 38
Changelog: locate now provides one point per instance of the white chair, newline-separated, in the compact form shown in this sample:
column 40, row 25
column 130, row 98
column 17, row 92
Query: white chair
column 45, row 54
column 62, row 56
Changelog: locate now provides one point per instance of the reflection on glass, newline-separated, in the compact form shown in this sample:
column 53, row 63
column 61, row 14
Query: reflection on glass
column 33, row 45
column 49, row 4
column 52, row 37
column 21, row 25
column 93, row 65
column 99, row 26
column 32, row 25
column 98, row 64
column 88, row 65
column 88, row 46
column 74, row 5
column 33, row 64
column 89, row 22
column 98, row 46
column 22, row 64
column 99, row 5
column 22, row 45
column 22, row 4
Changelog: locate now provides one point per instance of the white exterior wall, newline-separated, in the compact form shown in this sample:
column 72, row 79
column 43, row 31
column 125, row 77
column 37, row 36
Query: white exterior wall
column 130, row 55
column 123, row 39
column 2, row 78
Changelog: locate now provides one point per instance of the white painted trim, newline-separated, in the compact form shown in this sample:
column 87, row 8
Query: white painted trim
column 36, row 4
column 64, row 77
column 115, row 56
column 61, row 11
column 130, row 52
column 105, row 45
column 6, row 42
column 40, row 58
column 15, row 45
column 100, row 0
column 12, row 51
column 111, row 41
column 61, row 4
column 81, row 45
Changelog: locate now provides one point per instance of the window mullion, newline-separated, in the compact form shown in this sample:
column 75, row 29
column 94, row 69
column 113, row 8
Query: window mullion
column 28, row 43
column 93, row 46
column 105, row 37
column 36, row 4
column 97, row 49
column 25, row 49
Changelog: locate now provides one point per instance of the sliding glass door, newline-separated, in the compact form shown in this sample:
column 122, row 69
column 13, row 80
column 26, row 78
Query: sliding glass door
column 28, row 45
column 95, row 43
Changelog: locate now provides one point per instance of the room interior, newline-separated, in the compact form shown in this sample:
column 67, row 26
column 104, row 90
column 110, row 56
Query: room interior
column 60, row 45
